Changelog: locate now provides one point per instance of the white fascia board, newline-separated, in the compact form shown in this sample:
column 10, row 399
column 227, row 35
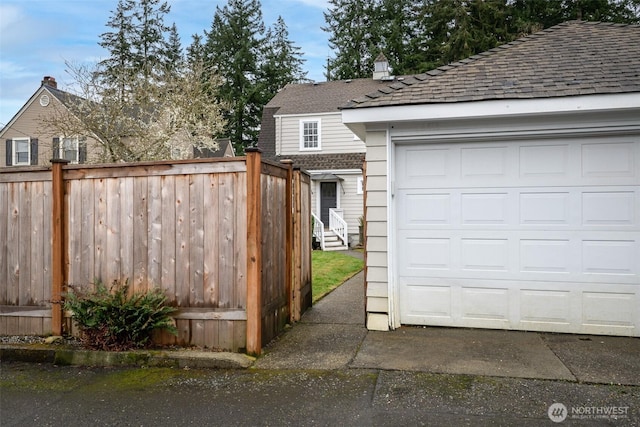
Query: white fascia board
column 335, row 171
column 493, row 108
column 334, row 113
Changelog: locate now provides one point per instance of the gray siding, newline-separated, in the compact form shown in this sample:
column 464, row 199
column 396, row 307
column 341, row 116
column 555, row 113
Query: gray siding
column 377, row 222
column 335, row 137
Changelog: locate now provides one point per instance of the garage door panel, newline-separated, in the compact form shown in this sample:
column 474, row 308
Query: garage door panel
column 544, row 208
column 609, row 309
column 485, row 208
column 610, row 208
column 489, row 162
column 576, row 208
column 545, row 161
column 546, row 306
column 428, row 209
column 426, row 301
column 485, row 254
column 547, row 256
column 609, row 160
column 610, row 257
column 567, row 256
column 532, row 235
column 485, row 304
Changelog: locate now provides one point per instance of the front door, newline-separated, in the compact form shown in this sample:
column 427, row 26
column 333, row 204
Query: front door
column 328, row 192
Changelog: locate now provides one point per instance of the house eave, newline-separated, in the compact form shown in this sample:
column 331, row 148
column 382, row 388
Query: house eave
column 357, row 118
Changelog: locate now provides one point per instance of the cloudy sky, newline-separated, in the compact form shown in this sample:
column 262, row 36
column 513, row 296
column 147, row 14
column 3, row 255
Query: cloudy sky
column 37, row 37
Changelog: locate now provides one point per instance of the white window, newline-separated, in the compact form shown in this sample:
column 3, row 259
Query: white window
column 360, row 185
column 69, row 148
column 310, row 135
column 21, row 151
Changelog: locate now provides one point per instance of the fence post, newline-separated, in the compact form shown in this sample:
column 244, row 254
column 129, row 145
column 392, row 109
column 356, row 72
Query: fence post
column 254, row 251
column 297, row 246
column 59, row 244
column 289, row 238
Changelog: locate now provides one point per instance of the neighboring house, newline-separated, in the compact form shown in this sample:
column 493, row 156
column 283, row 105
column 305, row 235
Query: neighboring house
column 503, row 191
column 27, row 139
column 303, row 123
column 225, row 149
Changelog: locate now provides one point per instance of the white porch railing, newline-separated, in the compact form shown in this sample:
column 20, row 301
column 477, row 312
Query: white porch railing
column 318, row 230
column 338, row 225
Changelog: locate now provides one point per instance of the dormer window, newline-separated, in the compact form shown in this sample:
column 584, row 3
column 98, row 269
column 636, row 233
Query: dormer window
column 381, row 69
column 310, row 134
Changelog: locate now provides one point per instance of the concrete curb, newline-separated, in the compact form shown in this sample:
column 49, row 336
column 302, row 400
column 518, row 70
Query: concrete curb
column 148, row 358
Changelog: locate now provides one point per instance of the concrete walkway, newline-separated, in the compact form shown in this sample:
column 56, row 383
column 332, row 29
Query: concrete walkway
column 332, row 335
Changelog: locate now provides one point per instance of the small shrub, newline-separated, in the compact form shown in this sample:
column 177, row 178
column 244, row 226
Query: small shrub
column 111, row 319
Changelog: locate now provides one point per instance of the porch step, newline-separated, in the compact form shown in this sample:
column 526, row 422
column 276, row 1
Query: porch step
column 332, row 242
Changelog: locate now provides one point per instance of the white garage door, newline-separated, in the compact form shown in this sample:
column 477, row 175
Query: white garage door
column 528, row 235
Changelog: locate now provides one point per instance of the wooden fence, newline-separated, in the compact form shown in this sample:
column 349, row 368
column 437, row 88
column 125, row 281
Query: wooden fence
column 226, row 240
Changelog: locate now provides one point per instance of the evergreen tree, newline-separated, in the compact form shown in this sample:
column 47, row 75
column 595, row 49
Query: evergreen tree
column 283, row 60
column 195, row 51
column 137, row 47
column 534, row 15
column 148, row 39
column 355, row 44
column 234, row 48
column 399, row 35
column 118, row 68
column 175, row 58
column 456, row 29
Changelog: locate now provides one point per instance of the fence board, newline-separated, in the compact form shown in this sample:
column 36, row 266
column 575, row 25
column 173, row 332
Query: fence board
column 140, row 234
column 24, row 220
column 38, row 239
column 46, row 250
column 100, row 228
column 226, row 212
column 127, row 238
column 168, row 262
column 154, row 257
column 211, row 240
column 13, row 251
column 114, row 231
column 240, row 246
column 85, row 233
column 170, row 168
column 76, row 227
column 182, row 241
column 196, row 241
column 4, row 219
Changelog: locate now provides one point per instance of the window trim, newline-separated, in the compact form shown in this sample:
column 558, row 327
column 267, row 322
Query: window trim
column 318, row 123
column 14, row 151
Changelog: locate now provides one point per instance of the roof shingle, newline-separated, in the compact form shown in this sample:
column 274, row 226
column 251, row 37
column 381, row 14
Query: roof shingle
column 573, row 58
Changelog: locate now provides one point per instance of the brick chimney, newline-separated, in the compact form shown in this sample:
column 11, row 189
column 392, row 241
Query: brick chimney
column 49, row 81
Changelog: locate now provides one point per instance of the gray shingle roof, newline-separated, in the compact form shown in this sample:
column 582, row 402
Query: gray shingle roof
column 573, row 58
column 325, row 161
column 324, row 97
